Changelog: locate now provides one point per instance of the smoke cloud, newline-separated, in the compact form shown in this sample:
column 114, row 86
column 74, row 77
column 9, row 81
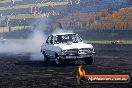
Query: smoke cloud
column 32, row 44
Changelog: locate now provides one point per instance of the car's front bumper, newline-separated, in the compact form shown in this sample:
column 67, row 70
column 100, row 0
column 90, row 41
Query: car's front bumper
column 75, row 57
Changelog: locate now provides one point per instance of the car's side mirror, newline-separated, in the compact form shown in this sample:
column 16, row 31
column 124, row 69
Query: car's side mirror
column 46, row 41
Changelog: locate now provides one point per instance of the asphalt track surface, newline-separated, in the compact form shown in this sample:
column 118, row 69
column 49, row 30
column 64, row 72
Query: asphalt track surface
column 19, row 71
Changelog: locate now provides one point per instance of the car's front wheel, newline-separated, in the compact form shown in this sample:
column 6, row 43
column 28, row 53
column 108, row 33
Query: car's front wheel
column 57, row 61
column 46, row 59
column 89, row 60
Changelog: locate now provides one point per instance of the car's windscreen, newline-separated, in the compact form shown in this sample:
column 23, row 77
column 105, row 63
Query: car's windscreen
column 74, row 38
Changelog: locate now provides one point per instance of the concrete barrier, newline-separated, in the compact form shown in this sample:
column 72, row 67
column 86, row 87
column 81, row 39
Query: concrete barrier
column 113, row 47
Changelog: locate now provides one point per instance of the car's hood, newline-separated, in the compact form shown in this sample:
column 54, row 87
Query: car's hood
column 74, row 45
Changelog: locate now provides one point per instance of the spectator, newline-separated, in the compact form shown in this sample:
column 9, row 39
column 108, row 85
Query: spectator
column 0, row 19
column 9, row 26
column 60, row 26
column 6, row 20
column 34, row 10
column 12, row 2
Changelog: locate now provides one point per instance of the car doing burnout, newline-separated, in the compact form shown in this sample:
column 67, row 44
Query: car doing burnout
column 67, row 47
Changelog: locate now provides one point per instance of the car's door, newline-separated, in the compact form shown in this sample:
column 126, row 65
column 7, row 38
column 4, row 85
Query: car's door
column 51, row 47
column 47, row 45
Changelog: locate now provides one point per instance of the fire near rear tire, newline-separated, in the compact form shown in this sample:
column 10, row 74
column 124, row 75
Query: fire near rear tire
column 89, row 60
column 46, row 59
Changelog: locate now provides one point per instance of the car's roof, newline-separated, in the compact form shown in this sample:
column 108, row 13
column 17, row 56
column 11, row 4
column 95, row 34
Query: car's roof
column 62, row 34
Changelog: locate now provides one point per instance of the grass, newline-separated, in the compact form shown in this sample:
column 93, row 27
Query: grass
column 4, row 1
column 6, row 29
column 108, row 41
column 32, row 5
column 24, row 16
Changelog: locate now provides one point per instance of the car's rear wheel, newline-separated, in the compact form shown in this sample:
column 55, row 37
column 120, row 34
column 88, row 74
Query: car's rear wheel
column 46, row 59
column 89, row 60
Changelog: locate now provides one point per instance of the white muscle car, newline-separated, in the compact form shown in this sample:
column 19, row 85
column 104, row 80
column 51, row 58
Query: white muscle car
column 67, row 47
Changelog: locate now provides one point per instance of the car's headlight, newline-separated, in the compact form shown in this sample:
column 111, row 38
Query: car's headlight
column 91, row 49
column 86, row 50
column 63, row 52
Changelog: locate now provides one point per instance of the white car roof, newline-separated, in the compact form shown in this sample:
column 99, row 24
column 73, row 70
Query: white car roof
column 62, row 34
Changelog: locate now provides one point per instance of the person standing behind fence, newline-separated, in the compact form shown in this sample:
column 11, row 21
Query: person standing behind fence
column 0, row 19
column 6, row 20
column 12, row 2
column 34, row 10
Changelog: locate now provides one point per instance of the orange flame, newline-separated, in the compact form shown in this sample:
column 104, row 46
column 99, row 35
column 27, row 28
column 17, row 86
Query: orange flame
column 81, row 71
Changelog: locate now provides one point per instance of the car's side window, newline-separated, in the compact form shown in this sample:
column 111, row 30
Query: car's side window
column 48, row 39
column 51, row 40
